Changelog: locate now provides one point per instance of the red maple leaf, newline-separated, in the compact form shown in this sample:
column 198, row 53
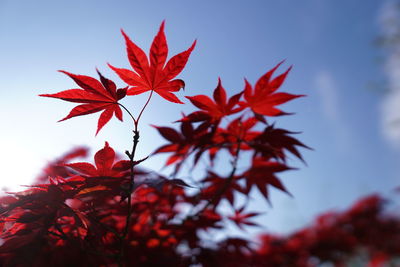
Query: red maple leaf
column 104, row 164
column 215, row 185
column 156, row 75
column 263, row 99
column 106, row 175
column 183, row 143
column 262, row 174
column 214, row 110
column 96, row 96
column 237, row 131
column 273, row 142
column 240, row 218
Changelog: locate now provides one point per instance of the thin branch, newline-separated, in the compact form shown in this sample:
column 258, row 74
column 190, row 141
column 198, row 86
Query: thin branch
column 131, row 156
column 223, row 188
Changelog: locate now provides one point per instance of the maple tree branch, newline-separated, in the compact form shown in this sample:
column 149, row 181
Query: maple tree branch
column 205, row 148
column 131, row 156
column 225, row 186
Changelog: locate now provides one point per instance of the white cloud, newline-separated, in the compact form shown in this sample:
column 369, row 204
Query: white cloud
column 327, row 89
column 389, row 20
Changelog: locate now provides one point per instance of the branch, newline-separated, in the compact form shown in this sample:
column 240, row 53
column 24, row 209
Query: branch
column 131, row 156
column 222, row 190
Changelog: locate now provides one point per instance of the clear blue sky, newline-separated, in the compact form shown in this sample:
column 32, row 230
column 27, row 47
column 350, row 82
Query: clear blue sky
column 329, row 43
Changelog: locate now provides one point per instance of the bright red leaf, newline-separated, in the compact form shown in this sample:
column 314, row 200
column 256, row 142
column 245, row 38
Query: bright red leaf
column 95, row 95
column 156, row 75
column 263, row 99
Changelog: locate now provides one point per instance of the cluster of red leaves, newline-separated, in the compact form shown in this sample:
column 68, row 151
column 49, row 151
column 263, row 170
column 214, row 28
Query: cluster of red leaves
column 77, row 220
column 103, row 95
column 113, row 212
column 364, row 233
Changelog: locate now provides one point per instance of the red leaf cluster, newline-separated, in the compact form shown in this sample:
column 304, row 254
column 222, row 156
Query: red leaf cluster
column 112, row 212
column 155, row 75
column 363, row 232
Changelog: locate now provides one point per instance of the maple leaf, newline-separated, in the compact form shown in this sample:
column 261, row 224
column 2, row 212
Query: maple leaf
column 213, row 110
column 262, row 173
column 240, row 218
column 273, row 142
column 216, row 185
column 157, row 75
column 104, row 164
column 263, row 99
column 96, row 95
column 183, row 143
column 237, row 131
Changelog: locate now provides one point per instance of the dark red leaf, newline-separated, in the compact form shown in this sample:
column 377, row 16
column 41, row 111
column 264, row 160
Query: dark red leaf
column 213, row 110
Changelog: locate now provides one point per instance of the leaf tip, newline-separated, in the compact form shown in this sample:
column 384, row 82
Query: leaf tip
column 193, row 44
column 162, row 25
column 125, row 35
column 111, row 66
column 63, row 119
column 63, row 71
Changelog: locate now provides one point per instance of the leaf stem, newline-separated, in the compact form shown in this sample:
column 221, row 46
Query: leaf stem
column 141, row 112
column 127, row 110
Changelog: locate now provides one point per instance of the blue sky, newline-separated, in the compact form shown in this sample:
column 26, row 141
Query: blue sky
column 329, row 43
